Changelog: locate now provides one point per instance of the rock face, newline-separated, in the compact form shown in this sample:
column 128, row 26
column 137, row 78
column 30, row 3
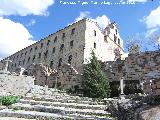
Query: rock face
column 142, row 108
column 15, row 84
column 150, row 113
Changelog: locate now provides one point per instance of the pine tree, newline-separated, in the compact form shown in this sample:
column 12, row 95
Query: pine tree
column 95, row 84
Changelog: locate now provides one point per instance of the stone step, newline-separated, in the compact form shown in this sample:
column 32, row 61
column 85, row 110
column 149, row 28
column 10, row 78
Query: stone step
column 61, row 110
column 14, row 118
column 60, row 96
column 64, row 100
column 46, row 116
column 66, row 105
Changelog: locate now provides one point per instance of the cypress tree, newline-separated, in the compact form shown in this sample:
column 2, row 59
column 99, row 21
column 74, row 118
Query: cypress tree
column 95, row 84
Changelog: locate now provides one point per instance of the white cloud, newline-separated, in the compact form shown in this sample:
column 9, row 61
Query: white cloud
column 24, row 7
column 85, row 14
column 13, row 37
column 153, row 19
column 102, row 21
column 150, row 32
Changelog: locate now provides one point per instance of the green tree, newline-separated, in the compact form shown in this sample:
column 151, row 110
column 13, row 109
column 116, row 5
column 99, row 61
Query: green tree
column 95, row 84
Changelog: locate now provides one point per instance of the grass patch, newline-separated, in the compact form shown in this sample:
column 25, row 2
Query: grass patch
column 8, row 100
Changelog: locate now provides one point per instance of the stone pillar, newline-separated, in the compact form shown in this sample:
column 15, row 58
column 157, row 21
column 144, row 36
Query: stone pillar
column 121, row 86
column 6, row 64
column 55, row 87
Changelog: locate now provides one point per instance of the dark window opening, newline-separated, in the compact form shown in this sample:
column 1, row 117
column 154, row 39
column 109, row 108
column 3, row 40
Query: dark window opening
column 55, row 39
column 54, row 49
column 48, row 42
column 71, row 43
column 70, row 59
column 36, row 48
column 17, row 56
column 19, row 63
column 28, row 59
column 73, row 31
column 23, row 61
column 39, row 55
column 64, row 35
column 51, row 64
column 46, row 54
column 118, row 41
column 115, row 38
column 94, row 33
column 21, row 54
column 116, row 31
column 26, row 53
column 41, row 45
column 31, row 50
column 15, row 65
column 34, row 57
column 60, row 62
column 94, row 45
column 61, row 48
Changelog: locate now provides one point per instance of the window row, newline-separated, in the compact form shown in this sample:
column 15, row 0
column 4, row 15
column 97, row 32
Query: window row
column 51, row 63
column 53, row 50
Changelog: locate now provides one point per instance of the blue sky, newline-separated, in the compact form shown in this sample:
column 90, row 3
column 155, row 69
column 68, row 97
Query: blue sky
column 23, row 22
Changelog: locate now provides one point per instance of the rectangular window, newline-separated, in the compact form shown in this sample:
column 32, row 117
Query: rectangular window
column 118, row 41
column 28, row 59
column 54, row 49
column 73, row 31
column 34, row 57
column 23, row 61
column 61, row 48
column 63, row 35
column 26, row 53
column 17, row 56
column 19, row 63
column 46, row 54
column 41, row 45
column 71, row 43
column 94, row 33
column 21, row 54
column 30, row 50
column 95, row 45
column 115, row 38
column 39, row 55
column 36, row 48
column 51, row 64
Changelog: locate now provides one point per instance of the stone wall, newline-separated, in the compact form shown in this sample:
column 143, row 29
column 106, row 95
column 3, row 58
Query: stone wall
column 65, row 77
column 15, row 84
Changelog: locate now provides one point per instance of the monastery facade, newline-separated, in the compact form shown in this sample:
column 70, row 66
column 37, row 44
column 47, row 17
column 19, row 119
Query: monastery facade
column 72, row 45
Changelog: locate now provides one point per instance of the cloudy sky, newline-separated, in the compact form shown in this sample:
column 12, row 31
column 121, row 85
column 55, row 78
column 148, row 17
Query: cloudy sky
column 23, row 22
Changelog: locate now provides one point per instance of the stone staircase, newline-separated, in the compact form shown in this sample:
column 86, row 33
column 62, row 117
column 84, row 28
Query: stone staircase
column 48, row 104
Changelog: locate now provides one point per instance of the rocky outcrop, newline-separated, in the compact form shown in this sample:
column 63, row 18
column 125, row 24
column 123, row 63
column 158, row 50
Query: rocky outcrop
column 137, row 108
column 15, row 84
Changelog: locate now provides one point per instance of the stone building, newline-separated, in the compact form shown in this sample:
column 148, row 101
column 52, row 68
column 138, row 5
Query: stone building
column 68, row 49
column 72, row 45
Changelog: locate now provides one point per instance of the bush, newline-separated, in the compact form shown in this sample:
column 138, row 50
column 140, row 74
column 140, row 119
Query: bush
column 8, row 100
